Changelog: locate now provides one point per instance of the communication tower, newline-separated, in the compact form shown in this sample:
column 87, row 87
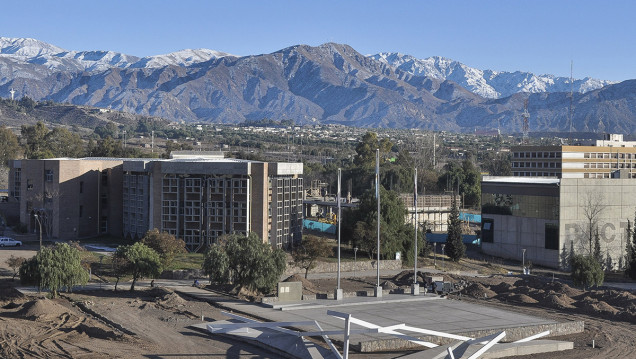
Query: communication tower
column 525, row 116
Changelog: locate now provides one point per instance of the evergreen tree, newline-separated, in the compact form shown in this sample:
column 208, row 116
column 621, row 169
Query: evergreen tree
column 630, row 250
column 586, row 271
column 455, row 248
column 597, row 248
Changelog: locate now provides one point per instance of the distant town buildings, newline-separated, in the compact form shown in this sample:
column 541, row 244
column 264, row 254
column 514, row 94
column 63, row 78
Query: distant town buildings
column 197, row 196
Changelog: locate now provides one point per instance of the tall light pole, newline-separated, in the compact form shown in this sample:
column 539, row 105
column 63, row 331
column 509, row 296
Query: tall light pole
column 355, row 260
column 415, row 288
column 38, row 219
column 378, row 289
column 339, row 293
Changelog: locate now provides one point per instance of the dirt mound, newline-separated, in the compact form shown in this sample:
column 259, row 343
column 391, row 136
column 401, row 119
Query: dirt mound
column 519, row 298
column 556, row 300
column 307, row 284
column 618, row 298
column 563, row 288
column 388, row 285
column 502, row 287
column 172, row 300
column 43, row 308
column 477, row 290
column 403, row 276
column 99, row 333
column 595, row 307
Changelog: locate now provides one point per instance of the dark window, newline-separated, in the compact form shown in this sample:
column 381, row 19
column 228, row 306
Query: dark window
column 29, row 184
column 81, row 211
column 49, row 175
column 81, row 186
column 551, row 236
column 104, row 178
column 487, row 230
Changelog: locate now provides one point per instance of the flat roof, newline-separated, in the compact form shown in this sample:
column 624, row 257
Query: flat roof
column 519, row 179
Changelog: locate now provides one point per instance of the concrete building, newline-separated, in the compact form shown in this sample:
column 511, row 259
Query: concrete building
column 432, row 210
column 609, row 155
column 551, row 217
column 197, row 196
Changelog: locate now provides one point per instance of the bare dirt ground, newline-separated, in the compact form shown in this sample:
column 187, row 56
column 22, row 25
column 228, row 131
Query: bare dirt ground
column 154, row 323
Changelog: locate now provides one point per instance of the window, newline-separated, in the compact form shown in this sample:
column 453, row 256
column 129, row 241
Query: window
column 105, row 178
column 81, row 211
column 81, row 185
column 29, row 184
column 49, row 175
column 551, row 236
column 487, row 230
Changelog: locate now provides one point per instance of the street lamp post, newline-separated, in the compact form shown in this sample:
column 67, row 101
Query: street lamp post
column 355, row 260
column 443, row 262
column 523, row 260
column 435, row 255
column 37, row 218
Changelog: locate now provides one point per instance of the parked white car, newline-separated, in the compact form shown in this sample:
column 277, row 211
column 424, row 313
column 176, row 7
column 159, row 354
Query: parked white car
column 7, row 242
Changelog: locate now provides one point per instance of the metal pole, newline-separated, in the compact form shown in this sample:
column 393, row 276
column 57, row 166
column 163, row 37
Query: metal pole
column 443, row 262
column 37, row 218
column 435, row 255
column 523, row 260
column 415, row 245
column 339, row 220
column 377, row 196
column 355, row 260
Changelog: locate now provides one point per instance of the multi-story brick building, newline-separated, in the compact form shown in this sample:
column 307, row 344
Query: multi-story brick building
column 197, row 196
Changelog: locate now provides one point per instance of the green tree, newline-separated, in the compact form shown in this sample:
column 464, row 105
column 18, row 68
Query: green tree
column 61, row 142
column 365, row 150
column 598, row 256
column 164, row 243
column 9, row 146
column 54, row 268
column 15, row 263
column 498, row 164
column 216, row 265
column 455, row 248
column 311, row 249
column 395, row 234
column 141, row 260
column 34, row 138
column 465, row 177
column 251, row 264
column 586, row 271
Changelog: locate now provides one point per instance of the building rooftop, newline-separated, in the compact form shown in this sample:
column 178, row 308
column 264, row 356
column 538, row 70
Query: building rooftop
column 523, row 179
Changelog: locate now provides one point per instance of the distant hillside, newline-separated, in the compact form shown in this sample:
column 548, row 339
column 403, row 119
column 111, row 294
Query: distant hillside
column 327, row 84
column 13, row 115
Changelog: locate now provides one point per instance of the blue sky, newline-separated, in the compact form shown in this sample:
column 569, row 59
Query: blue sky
column 541, row 36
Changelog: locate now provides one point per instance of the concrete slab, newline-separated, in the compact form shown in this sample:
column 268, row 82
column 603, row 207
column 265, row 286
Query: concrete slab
column 285, row 345
column 501, row 350
column 424, row 311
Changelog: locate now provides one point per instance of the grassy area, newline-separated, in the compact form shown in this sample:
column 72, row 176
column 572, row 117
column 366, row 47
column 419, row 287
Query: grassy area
column 187, row 261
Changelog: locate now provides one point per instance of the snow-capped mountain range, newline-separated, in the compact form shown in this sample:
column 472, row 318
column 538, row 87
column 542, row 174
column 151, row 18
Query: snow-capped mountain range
column 330, row 83
column 55, row 58
column 487, row 83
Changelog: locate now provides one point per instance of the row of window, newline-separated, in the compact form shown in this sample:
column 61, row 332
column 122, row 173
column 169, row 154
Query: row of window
column 605, row 155
column 536, row 164
column 536, row 174
column 536, row 155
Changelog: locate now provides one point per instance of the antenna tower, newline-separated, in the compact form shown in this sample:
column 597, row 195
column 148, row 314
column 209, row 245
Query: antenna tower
column 526, row 116
column 571, row 111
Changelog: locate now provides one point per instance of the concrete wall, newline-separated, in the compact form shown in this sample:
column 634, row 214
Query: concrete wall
column 615, row 201
column 513, row 234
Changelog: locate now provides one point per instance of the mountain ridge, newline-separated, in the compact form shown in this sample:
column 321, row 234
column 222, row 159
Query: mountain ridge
column 330, row 83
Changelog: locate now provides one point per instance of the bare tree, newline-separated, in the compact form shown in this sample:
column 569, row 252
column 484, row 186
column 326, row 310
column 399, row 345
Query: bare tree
column 593, row 205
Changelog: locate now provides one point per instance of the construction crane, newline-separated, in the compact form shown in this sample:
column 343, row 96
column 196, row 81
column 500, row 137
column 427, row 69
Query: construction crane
column 525, row 116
